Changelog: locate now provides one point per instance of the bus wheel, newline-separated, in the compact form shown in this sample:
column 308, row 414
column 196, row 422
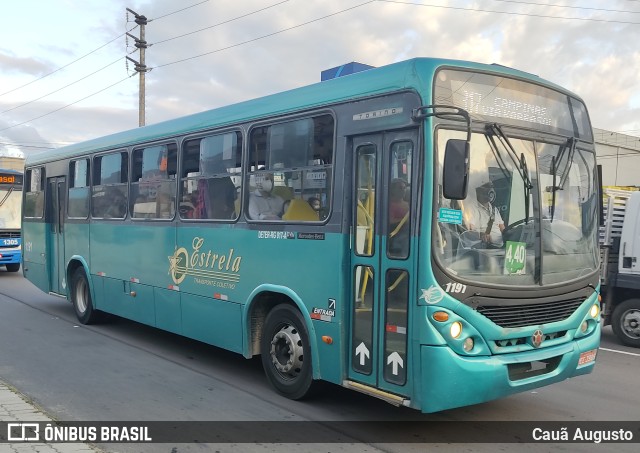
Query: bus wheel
column 81, row 298
column 286, row 353
column 626, row 322
column 13, row 267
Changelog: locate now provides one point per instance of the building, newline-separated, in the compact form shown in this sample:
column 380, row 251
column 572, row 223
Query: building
column 619, row 155
column 12, row 163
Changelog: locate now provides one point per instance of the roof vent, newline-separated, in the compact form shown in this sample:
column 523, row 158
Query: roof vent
column 345, row 69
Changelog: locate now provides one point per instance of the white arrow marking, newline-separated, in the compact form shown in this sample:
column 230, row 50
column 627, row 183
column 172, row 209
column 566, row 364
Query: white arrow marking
column 395, row 359
column 363, row 352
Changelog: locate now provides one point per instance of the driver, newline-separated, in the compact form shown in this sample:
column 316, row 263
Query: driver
column 485, row 218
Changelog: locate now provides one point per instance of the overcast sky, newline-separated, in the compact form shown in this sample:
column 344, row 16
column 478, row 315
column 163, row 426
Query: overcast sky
column 64, row 76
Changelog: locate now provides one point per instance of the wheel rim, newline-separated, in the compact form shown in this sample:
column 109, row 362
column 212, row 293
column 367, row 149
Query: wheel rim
column 287, row 352
column 631, row 324
column 82, row 295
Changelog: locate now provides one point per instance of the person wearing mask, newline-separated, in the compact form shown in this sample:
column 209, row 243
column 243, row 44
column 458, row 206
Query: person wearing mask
column 485, row 218
column 263, row 205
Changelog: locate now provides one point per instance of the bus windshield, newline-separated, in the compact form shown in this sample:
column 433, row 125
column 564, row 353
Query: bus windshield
column 528, row 218
column 10, row 202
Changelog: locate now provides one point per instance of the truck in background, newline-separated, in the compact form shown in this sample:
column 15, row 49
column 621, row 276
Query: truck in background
column 620, row 242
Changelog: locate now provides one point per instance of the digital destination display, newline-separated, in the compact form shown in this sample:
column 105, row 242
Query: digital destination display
column 493, row 98
column 10, row 178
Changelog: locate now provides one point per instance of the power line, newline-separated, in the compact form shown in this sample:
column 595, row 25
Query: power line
column 178, row 11
column 265, row 36
column 568, row 6
column 511, row 13
column 62, row 88
column 62, row 67
column 220, row 23
column 65, row 106
column 92, row 52
column 22, row 145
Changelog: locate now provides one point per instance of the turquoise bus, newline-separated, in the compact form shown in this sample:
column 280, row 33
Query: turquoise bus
column 337, row 231
column 10, row 216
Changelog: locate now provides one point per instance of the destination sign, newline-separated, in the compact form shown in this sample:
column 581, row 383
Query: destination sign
column 10, row 178
column 493, row 98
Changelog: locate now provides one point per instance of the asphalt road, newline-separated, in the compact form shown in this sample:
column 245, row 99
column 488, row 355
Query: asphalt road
column 124, row 371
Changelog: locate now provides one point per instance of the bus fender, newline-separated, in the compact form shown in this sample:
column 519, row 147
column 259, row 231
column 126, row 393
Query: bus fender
column 246, row 341
column 71, row 266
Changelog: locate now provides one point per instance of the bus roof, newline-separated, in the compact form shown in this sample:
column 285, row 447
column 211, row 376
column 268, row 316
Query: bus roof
column 8, row 171
column 416, row 74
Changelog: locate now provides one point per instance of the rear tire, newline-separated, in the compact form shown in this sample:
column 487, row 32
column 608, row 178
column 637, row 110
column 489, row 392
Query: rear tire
column 13, row 267
column 286, row 353
column 81, row 298
column 626, row 322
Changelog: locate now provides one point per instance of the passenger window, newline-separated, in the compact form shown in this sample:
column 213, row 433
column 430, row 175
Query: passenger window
column 399, row 196
column 291, row 170
column 34, row 193
column 79, row 189
column 110, row 177
column 210, row 180
column 153, row 182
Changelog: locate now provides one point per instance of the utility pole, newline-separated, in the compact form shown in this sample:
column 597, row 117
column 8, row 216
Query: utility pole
column 140, row 67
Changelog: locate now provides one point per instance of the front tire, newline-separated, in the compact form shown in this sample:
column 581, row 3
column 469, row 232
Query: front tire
column 626, row 322
column 81, row 298
column 286, row 353
column 13, row 267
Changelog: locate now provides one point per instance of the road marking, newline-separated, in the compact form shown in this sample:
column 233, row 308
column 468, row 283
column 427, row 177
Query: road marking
column 620, row 352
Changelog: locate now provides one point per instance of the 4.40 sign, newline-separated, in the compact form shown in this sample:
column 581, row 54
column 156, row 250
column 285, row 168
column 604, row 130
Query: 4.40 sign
column 515, row 258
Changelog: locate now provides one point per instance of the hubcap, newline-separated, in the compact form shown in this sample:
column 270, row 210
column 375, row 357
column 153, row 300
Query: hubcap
column 631, row 323
column 287, row 351
column 81, row 296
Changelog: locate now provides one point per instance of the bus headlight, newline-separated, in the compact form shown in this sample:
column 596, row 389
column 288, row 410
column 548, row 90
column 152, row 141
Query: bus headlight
column 595, row 311
column 584, row 326
column 468, row 344
column 456, row 329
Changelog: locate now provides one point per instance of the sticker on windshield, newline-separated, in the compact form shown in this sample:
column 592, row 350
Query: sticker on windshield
column 515, row 258
column 448, row 215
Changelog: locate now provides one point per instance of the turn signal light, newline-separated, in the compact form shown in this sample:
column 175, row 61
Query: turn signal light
column 441, row 316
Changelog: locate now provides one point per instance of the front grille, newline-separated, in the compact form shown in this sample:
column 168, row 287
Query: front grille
column 519, row 341
column 531, row 314
column 10, row 235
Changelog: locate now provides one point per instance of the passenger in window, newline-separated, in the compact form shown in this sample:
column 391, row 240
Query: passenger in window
column 117, row 207
column 398, row 207
column 223, row 197
column 263, row 205
column 484, row 218
column 315, row 204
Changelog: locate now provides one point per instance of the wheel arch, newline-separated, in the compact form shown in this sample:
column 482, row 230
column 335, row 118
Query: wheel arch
column 259, row 303
column 75, row 262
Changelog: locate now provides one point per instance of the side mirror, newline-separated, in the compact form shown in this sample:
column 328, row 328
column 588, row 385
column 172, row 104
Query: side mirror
column 455, row 178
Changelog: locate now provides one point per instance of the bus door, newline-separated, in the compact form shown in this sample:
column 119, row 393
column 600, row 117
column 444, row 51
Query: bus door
column 55, row 210
column 383, row 267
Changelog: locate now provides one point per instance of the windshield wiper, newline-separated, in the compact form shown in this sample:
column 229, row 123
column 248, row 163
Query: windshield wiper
column 6, row 196
column 555, row 162
column 520, row 163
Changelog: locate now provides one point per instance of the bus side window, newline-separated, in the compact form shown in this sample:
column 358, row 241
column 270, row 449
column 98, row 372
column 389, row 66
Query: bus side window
column 210, row 178
column 153, row 182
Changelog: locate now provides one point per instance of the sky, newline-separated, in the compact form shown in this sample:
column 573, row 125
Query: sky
column 64, row 76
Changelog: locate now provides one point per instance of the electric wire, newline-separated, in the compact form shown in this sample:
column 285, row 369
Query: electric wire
column 480, row 10
column 220, row 23
column 264, row 36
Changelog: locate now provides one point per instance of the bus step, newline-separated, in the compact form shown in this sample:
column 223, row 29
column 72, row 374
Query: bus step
column 390, row 398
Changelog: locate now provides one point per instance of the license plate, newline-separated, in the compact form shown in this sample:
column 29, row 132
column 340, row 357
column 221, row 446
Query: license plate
column 587, row 357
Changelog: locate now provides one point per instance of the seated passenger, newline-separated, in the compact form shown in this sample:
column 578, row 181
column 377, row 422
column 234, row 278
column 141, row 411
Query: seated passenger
column 263, row 205
column 484, row 218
